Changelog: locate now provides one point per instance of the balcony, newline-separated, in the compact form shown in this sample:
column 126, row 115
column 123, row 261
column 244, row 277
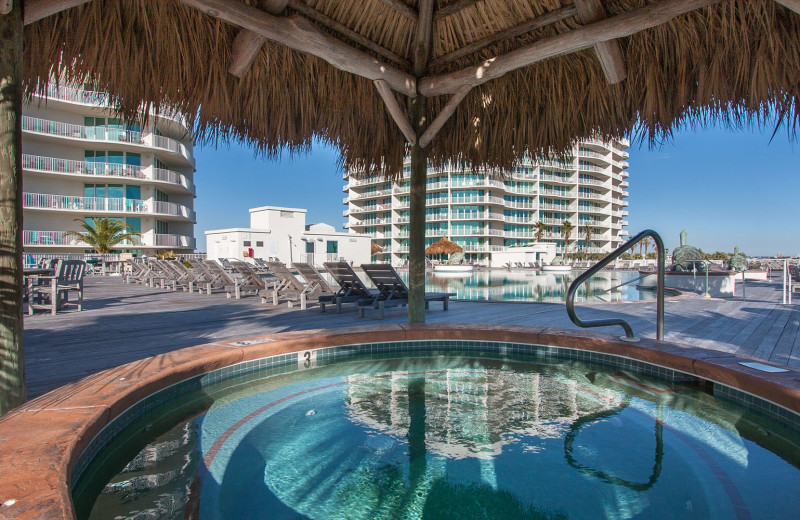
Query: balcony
column 61, row 239
column 556, row 207
column 564, row 194
column 591, row 168
column 102, row 205
column 100, row 99
column 105, row 134
column 178, row 241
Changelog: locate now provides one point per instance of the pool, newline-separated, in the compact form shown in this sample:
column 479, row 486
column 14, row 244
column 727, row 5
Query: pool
column 446, row 429
column 434, row 414
column 537, row 286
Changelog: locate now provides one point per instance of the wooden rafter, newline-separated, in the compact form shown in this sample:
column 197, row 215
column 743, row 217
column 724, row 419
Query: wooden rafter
column 453, row 8
column 301, row 35
column 402, row 8
column 609, row 52
column 618, row 26
column 37, row 9
column 247, row 44
column 793, row 5
column 531, row 25
column 448, row 110
column 396, row 111
column 332, row 24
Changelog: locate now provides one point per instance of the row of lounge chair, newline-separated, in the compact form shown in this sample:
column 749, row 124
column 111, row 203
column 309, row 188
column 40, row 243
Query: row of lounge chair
column 208, row 276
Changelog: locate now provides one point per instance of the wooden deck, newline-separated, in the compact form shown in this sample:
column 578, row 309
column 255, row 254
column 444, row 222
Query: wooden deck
column 122, row 323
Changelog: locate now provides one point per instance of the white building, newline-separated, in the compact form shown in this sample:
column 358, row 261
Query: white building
column 80, row 161
column 486, row 216
column 282, row 234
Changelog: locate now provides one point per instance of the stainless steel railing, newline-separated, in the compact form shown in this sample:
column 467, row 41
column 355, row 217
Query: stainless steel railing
column 629, row 336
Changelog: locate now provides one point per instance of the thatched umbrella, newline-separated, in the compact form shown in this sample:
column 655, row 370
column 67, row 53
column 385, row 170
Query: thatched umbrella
column 374, row 248
column 443, row 246
column 475, row 81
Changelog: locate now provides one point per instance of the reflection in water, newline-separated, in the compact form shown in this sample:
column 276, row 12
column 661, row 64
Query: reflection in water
column 456, row 438
column 536, row 286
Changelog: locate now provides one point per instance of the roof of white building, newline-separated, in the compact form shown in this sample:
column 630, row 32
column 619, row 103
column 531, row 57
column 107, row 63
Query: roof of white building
column 277, row 208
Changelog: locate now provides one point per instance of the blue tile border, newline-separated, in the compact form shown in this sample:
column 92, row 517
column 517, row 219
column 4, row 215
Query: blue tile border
column 521, row 352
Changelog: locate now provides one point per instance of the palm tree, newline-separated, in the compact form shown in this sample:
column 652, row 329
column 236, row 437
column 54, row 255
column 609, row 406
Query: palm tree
column 566, row 232
column 540, row 228
column 644, row 245
column 102, row 234
column 587, row 231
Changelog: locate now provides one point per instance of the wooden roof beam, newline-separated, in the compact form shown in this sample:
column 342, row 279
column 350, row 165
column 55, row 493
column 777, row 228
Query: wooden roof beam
column 792, row 5
column 453, row 8
column 552, row 17
column 247, row 44
column 345, row 31
column 618, row 26
column 396, row 111
column 299, row 34
column 609, row 52
column 402, row 8
column 34, row 10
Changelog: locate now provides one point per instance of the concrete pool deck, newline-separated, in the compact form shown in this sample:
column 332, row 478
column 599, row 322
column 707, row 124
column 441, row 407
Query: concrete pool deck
column 121, row 323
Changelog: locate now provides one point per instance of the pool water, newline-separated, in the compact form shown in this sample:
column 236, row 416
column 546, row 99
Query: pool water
column 537, row 286
column 455, row 437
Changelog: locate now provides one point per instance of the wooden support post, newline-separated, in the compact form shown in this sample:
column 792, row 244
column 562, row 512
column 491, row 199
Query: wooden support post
column 416, row 251
column 12, row 353
column 419, row 169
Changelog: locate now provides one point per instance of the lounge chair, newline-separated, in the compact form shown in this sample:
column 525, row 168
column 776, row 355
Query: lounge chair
column 392, row 291
column 206, row 280
column 251, row 277
column 233, row 286
column 53, row 291
column 290, row 288
column 313, row 278
column 351, row 288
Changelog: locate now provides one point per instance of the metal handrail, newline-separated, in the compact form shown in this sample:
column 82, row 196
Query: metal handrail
column 573, row 288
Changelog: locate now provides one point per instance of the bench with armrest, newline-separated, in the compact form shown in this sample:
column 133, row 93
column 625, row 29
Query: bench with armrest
column 392, row 291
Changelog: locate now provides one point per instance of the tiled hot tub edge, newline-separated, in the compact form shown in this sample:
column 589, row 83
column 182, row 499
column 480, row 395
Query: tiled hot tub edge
column 42, row 440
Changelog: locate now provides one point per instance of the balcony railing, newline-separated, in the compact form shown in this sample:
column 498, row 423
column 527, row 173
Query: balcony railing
column 103, row 204
column 128, row 171
column 103, row 133
column 182, row 241
column 96, row 98
column 49, row 238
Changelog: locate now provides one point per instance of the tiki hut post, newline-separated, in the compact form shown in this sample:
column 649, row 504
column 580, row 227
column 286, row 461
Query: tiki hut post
column 419, row 169
column 12, row 359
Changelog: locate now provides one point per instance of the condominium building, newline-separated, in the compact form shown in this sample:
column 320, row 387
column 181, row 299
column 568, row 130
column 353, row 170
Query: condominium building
column 486, row 214
column 82, row 161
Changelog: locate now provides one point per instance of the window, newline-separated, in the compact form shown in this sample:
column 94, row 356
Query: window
column 133, row 192
column 162, row 228
column 333, row 247
column 160, row 196
column 247, row 243
column 115, row 191
column 259, row 243
column 309, row 247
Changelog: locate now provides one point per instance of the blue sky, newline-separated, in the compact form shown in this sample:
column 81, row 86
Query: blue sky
column 726, row 188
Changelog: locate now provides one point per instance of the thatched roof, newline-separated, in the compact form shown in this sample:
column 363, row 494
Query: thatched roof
column 443, row 246
column 729, row 61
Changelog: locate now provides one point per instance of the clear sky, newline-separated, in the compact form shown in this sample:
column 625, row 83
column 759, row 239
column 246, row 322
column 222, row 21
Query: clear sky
column 726, row 188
